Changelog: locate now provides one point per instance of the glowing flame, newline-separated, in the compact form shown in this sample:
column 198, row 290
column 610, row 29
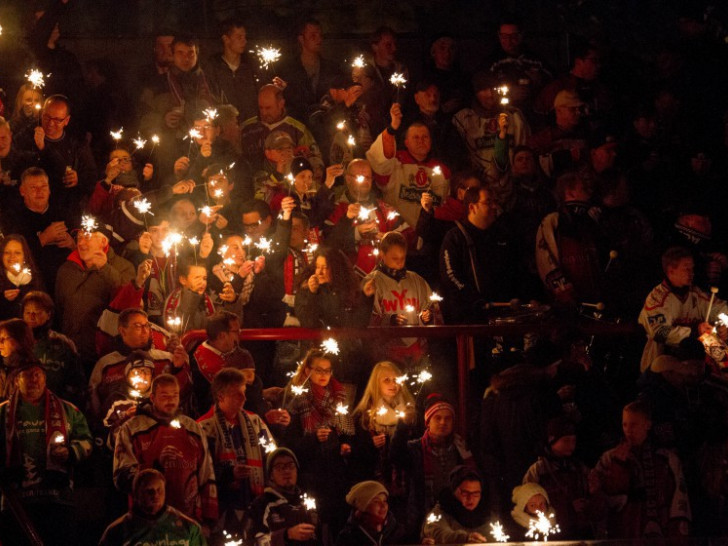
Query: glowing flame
column 398, row 80
column 364, row 213
column 424, row 376
column 298, row 390
column 263, row 245
column 392, row 215
column 174, row 323
column 542, row 526
column 433, row 518
column 195, row 134
column 89, row 224
column 340, row 126
column 171, row 240
column 143, row 206
column 351, row 141
column 436, row 170
column 58, row 438
column 401, row 379
column 330, row 345
column 497, row 532
column 116, row 135
column 309, row 502
column 269, row 446
column 247, row 241
column 409, row 308
column 360, row 179
column 341, row 409
column 210, row 113
column 139, row 142
column 381, row 411
column 135, row 393
column 194, row 241
column 218, row 194
column 155, row 139
column 206, row 210
column 435, row 297
column 359, row 62
column 268, row 56
column 36, row 78
column 174, row 423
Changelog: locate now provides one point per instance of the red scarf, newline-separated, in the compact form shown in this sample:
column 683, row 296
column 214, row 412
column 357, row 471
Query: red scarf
column 55, row 424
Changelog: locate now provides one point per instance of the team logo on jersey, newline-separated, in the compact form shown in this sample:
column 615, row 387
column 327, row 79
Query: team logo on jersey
column 656, row 319
column 421, row 178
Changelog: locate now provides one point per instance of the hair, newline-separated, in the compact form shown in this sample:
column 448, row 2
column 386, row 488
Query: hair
column 390, row 239
column 308, row 361
column 472, row 196
column 580, row 49
column 21, row 333
column 301, row 27
column 415, row 125
column 186, row 40
column 225, row 113
column 256, row 205
column 144, row 477
column 372, row 398
column 162, row 380
column 567, row 182
column 269, row 87
column 640, row 407
column 34, row 172
column 58, row 99
column 18, row 108
column 224, row 379
column 219, row 323
column 230, row 24
column 380, row 33
column 126, row 315
column 672, row 256
column 458, row 181
column 186, row 260
column 343, row 279
column 27, row 255
column 39, row 298
column 213, row 170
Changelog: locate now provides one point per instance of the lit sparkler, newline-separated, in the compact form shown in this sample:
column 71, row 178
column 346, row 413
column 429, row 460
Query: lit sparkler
column 230, row 541
column 135, row 393
column 542, row 526
column 155, row 141
column 392, row 215
column 364, row 214
column 210, row 114
column 423, row 377
column 330, row 345
column 267, row 56
column 58, row 438
column 89, row 224
column 400, row 380
column 409, row 308
column 171, row 240
column 341, row 409
column 309, row 502
column 218, row 194
column 382, row 411
column 435, row 297
column 503, row 92
column 497, row 532
column 433, row 518
column 268, row 445
column 139, row 143
column 359, row 62
column 298, row 390
column 174, row 423
column 175, row 324
column 341, row 125
column 22, row 274
column 398, row 81
column 116, row 135
column 36, row 78
column 436, row 170
column 263, row 244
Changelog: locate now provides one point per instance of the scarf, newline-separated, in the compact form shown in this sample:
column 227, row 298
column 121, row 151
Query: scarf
column 469, row 519
column 652, row 525
column 249, row 453
column 20, row 278
column 432, row 459
column 396, row 274
column 318, row 409
column 55, row 425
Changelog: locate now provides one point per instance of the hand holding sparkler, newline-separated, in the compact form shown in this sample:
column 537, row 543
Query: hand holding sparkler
column 181, row 167
column 395, row 115
column 143, row 271
column 503, row 122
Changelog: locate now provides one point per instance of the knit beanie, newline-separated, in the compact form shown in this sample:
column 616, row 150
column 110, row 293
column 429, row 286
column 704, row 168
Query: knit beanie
column 278, row 452
column 299, row 165
column 361, row 494
column 521, row 495
column 558, row 427
column 434, row 403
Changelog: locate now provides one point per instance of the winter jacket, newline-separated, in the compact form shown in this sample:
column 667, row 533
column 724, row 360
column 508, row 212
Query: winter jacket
column 170, row 526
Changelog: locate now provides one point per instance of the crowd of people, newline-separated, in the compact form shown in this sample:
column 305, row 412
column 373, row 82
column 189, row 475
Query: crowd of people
column 306, row 192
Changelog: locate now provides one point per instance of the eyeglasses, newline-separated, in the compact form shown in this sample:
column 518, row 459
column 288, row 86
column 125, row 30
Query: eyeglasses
column 284, row 466
column 470, row 494
column 321, row 371
column 124, row 159
column 139, row 327
column 49, row 119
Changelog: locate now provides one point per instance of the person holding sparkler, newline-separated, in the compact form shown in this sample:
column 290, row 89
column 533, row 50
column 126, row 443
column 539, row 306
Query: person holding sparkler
column 70, row 166
column 18, row 275
column 25, row 116
column 360, row 219
column 120, row 170
column 462, row 513
column 528, row 500
column 316, row 205
column 272, row 176
column 320, row 434
column 161, row 437
column 234, row 439
column 279, row 517
column 401, row 297
column 16, row 349
column 55, row 439
column 429, row 460
column 403, row 175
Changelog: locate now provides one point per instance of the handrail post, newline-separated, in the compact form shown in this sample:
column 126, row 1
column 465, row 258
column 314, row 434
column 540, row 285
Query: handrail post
column 463, row 350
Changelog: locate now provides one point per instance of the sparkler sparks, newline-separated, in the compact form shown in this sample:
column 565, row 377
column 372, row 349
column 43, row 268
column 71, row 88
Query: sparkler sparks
column 433, row 518
column 139, row 142
column 267, row 56
column 143, row 206
column 116, row 135
column 268, row 445
column 230, row 541
column 23, row 274
column 171, row 240
column 174, row 323
column 400, row 380
column 341, row 125
column 89, row 224
column 218, row 194
column 194, row 134
column 174, row 423
column 424, row 376
column 503, row 92
column 436, row 170
column 194, row 241
column 155, row 139
column 398, row 80
column 497, row 532
column 263, row 244
column 36, row 78
column 359, row 62
column 382, row 411
column 341, row 409
column 409, row 308
column 435, row 297
column 210, row 114
column 542, row 526
column 135, row 393
column 206, row 210
column 392, row 215
column 364, row 214
column 351, row 141
column 330, row 345
column 309, row 502
column 298, row 390
column 58, row 438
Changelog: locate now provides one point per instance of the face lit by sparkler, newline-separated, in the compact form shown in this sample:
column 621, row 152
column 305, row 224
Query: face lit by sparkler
column 320, row 372
column 13, row 255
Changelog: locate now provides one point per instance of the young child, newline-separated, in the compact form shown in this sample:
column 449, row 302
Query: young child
column 401, row 298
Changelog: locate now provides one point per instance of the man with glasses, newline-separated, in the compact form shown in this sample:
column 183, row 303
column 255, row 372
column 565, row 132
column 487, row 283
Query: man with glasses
column 108, row 378
column 68, row 162
column 279, row 517
column 120, row 170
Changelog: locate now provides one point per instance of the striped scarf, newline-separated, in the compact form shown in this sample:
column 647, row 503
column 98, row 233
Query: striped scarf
column 317, row 409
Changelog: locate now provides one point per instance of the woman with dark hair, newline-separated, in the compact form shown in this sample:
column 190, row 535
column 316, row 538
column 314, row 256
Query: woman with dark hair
column 16, row 348
column 321, row 434
column 329, row 296
column 19, row 275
